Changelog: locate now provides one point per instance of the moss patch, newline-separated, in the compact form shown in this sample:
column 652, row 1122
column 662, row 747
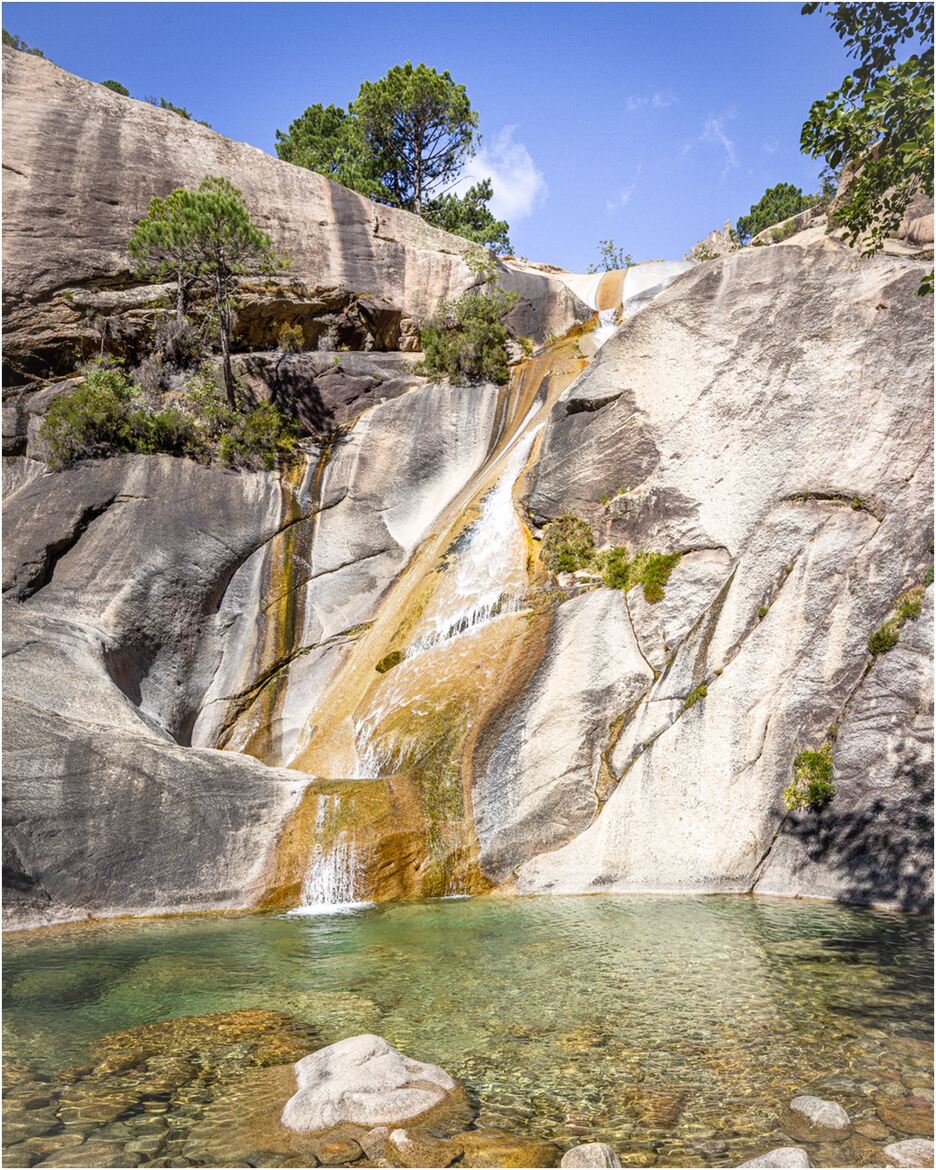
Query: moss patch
column 394, row 658
column 695, row 696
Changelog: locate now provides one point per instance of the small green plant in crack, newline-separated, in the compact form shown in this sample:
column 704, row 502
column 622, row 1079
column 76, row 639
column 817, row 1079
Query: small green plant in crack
column 696, row 695
column 907, row 607
column 762, row 612
column 811, row 787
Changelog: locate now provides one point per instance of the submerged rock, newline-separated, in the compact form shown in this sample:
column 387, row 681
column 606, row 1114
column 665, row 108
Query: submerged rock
column 493, row 1147
column 825, row 1114
column 912, row 1152
column 416, row 1149
column 366, row 1081
column 789, row 1156
column 591, row 1154
column 910, row 1115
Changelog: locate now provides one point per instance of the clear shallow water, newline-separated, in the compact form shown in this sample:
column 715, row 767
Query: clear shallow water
column 674, row 1028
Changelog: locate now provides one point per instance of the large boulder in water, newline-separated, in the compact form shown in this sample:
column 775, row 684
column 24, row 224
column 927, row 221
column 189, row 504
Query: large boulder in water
column 366, row 1081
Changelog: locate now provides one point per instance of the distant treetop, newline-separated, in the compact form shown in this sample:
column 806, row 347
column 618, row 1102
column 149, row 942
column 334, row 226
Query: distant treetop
column 16, row 42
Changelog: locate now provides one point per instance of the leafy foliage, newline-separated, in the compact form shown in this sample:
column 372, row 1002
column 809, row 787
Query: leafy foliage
column 256, row 438
column 468, row 215
column 880, row 119
column 466, row 340
column 884, row 639
column 16, row 42
column 403, row 141
column 328, row 139
column 290, row 338
column 568, row 544
column 612, row 258
column 419, row 127
column 203, row 237
column 776, row 204
column 811, row 787
column 106, row 416
column 116, row 87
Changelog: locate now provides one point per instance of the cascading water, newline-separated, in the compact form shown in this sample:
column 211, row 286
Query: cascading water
column 332, row 877
column 488, row 580
column 479, row 588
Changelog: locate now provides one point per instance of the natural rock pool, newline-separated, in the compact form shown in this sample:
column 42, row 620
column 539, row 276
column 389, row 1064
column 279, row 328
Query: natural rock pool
column 677, row 1029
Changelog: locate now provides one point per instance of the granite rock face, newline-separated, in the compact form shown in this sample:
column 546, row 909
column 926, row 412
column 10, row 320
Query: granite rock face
column 769, row 411
column 113, row 575
column 77, row 150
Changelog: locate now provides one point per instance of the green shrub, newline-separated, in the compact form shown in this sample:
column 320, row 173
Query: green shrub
column 812, row 786
column 168, row 432
column 466, row 340
column 928, row 579
column 614, row 565
column 695, row 696
column 568, row 544
column 290, row 338
column 93, row 421
column 652, row 570
column 106, row 415
column 884, row 639
column 116, row 87
column 258, row 438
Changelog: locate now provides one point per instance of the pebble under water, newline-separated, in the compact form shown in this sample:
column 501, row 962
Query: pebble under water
column 677, row 1029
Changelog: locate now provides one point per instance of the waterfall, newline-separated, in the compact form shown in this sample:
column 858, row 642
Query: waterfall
column 330, row 886
column 606, row 327
column 488, row 557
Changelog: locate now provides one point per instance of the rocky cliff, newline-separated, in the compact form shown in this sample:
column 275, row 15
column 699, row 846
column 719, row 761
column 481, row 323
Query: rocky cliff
column 217, row 681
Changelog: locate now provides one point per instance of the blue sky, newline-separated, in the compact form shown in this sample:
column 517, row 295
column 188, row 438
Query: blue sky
column 646, row 123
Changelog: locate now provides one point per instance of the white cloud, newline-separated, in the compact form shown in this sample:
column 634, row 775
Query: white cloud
column 518, row 184
column 622, row 199
column 714, row 132
column 658, row 101
column 771, row 145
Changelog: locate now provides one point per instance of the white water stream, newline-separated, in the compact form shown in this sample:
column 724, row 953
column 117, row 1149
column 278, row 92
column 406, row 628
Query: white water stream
column 330, row 884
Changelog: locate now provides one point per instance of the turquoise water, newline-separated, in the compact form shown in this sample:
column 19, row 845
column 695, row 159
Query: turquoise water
column 674, row 1028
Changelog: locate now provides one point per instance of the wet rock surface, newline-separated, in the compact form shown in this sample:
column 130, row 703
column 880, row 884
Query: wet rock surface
column 912, row 1152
